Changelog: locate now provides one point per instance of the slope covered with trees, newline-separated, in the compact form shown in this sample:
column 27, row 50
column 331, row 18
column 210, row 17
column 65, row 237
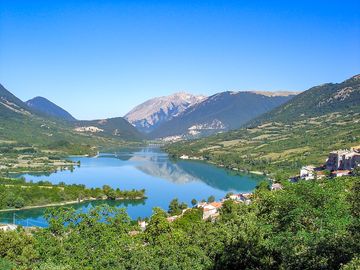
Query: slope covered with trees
column 307, row 225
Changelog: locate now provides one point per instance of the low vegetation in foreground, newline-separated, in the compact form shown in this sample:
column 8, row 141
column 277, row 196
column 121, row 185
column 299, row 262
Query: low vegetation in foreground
column 306, row 225
column 17, row 193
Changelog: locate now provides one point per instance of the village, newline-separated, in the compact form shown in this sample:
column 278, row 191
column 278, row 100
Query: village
column 339, row 163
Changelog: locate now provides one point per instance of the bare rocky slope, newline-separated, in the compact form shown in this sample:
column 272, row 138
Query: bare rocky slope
column 147, row 116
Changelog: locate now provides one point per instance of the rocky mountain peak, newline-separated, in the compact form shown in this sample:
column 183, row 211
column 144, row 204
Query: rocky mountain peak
column 153, row 112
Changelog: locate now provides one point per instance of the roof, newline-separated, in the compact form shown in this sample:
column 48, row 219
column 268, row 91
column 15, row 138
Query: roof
column 216, row 204
column 209, row 208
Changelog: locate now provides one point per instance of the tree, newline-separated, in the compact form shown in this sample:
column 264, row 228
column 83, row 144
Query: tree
column 211, row 199
column 193, row 202
column 157, row 226
column 356, row 171
column 174, row 207
column 19, row 202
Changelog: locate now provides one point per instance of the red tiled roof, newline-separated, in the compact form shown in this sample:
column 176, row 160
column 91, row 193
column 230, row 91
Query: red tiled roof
column 216, row 204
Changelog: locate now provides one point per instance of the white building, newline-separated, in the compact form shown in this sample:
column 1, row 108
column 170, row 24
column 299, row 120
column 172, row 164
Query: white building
column 307, row 173
column 210, row 210
column 142, row 224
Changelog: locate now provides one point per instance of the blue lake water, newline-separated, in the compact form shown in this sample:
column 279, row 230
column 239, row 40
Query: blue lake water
column 148, row 168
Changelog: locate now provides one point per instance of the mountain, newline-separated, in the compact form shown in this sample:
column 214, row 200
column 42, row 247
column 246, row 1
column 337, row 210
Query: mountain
column 318, row 100
column 149, row 115
column 10, row 105
column 48, row 108
column 113, row 127
column 221, row 112
column 300, row 132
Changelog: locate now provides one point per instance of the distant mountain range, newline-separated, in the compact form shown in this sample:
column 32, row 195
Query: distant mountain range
column 147, row 116
column 187, row 116
column 220, row 112
column 180, row 115
column 45, row 106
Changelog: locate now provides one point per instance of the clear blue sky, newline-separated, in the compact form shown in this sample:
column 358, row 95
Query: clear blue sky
column 100, row 58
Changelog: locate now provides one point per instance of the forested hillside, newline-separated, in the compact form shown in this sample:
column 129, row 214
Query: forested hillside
column 307, row 225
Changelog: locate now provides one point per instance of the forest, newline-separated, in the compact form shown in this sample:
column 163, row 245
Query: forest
column 17, row 193
column 307, row 225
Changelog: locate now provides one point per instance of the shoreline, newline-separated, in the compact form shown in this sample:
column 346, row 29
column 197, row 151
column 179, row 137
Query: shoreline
column 67, row 203
column 221, row 166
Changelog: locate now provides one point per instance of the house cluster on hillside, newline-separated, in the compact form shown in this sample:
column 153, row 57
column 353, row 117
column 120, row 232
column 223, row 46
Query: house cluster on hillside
column 211, row 211
column 339, row 163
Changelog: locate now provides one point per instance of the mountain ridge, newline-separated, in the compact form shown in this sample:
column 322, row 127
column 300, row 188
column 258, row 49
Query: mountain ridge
column 316, row 101
column 43, row 105
column 148, row 115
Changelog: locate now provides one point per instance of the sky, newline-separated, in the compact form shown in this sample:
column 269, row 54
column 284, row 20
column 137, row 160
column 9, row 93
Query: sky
column 99, row 59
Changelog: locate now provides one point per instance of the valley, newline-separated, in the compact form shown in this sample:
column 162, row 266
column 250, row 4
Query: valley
column 97, row 183
column 179, row 135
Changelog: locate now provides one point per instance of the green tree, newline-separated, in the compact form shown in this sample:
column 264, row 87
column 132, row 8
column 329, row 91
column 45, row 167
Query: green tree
column 193, row 202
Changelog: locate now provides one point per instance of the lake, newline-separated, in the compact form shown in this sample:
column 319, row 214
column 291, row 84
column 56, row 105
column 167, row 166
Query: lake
column 148, row 168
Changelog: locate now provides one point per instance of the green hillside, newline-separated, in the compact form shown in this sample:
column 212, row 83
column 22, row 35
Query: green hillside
column 21, row 125
column 113, row 127
column 288, row 137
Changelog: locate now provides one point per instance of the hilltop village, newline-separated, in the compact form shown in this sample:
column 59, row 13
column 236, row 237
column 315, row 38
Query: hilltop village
column 339, row 163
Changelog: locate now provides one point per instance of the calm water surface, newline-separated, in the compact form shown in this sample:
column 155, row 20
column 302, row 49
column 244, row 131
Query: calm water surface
column 148, row 168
